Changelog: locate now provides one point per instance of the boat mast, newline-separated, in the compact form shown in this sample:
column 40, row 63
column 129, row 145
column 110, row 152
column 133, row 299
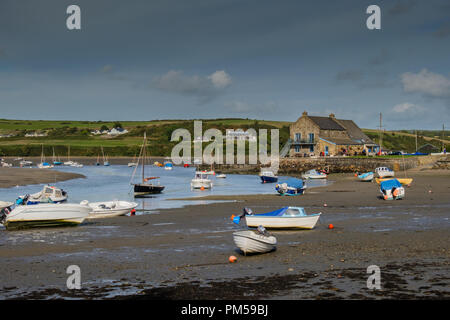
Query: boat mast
column 416, row 141
column 381, row 133
column 144, row 151
column 443, row 132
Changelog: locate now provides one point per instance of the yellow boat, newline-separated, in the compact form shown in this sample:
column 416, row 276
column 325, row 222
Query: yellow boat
column 404, row 181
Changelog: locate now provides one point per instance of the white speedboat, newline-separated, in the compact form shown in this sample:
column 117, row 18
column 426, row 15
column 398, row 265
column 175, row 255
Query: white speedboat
column 259, row 241
column 6, row 164
column 25, row 163
column 109, row 208
column 48, row 194
column 76, row 165
column 313, row 174
column 287, row 217
column 132, row 164
column 384, row 172
column 221, row 176
column 45, row 165
column 201, row 181
column 46, row 215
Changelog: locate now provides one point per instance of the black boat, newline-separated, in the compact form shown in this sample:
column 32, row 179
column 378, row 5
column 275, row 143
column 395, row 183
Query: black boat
column 144, row 188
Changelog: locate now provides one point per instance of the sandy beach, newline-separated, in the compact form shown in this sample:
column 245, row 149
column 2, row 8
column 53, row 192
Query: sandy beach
column 11, row 177
column 183, row 253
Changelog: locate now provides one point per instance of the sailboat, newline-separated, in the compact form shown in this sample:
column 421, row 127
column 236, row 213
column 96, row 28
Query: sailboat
column 144, row 187
column 56, row 162
column 98, row 160
column 43, row 164
column 68, row 162
column 105, row 159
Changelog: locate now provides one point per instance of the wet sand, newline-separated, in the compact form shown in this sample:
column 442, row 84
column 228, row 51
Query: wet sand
column 183, row 253
column 11, row 177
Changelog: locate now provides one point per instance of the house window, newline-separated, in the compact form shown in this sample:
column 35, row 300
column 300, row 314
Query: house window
column 297, row 148
column 311, row 137
column 311, row 148
column 326, row 150
column 298, row 136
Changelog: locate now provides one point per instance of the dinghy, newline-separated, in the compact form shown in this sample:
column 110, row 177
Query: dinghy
column 49, row 194
column 313, row 174
column 384, row 172
column 368, row 176
column 259, row 241
column 287, row 217
column 168, row 165
column 46, row 215
column 109, row 208
column 291, row 187
column 392, row 190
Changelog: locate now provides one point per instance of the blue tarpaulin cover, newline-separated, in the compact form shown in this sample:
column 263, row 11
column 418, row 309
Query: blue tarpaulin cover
column 389, row 184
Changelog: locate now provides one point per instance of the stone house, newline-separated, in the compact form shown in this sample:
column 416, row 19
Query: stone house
column 328, row 136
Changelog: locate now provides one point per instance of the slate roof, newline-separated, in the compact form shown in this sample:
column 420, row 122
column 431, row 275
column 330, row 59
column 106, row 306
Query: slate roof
column 354, row 132
column 326, row 123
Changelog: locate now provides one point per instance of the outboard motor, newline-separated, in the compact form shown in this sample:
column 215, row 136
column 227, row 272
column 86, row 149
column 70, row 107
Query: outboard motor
column 4, row 213
column 247, row 211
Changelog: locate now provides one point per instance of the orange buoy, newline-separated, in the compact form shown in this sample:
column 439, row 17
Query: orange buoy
column 133, row 212
column 202, row 188
column 232, row 217
column 232, row 259
column 356, row 174
column 330, row 226
column 325, row 205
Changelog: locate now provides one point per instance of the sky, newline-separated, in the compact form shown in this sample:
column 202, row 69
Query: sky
column 263, row 59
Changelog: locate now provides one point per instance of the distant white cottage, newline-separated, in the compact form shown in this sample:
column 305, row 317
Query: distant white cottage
column 112, row 132
column 240, row 134
column 36, row 134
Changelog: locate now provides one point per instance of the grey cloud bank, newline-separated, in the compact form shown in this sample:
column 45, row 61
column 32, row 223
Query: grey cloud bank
column 189, row 59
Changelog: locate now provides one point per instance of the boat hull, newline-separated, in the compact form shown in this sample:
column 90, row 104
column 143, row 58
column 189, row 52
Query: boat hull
column 250, row 242
column 145, row 189
column 404, row 181
column 201, row 183
column 46, row 215
column 306, row 222
column 367, row 178
column 117, row 208
column 268, row 179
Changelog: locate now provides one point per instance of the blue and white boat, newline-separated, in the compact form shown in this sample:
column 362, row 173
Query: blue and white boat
column 267, row 176
column 48, row 194
column 392, row 189
column 287, row 217
column 313, row 174
column 368, row 176
column 291, row 187
column 168, row 166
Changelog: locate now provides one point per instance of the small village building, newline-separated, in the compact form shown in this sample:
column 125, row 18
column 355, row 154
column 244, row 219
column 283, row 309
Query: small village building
column 328, row 136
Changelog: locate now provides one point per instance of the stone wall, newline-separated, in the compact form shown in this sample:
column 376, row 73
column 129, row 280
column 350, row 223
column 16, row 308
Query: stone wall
column 295, row 166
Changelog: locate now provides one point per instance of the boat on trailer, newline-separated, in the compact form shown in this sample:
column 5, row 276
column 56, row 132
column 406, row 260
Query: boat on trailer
column 46, row 215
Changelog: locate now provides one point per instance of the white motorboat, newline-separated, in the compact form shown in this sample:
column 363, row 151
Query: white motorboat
column 201, row 181
column 25, row 163
column 109, row 208
column 221, row 176
column 259, row 241
column 287, row 217
column 384, row 172
column 392, row 190
column 132, row 164
column 6, row 164
column 48, row 194
column 46, row 215
column 313, row 174
column 76, row 165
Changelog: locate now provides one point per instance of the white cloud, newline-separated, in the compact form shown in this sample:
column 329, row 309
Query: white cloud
column 427, row 83
column 407, row 107
column 220, row 79
column 203, row 87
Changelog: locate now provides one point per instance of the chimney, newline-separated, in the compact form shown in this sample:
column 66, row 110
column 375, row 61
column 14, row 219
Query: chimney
column 304, row 114
column 332, row 115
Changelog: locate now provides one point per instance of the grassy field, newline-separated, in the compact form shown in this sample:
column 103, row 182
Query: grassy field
column 76, row 134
